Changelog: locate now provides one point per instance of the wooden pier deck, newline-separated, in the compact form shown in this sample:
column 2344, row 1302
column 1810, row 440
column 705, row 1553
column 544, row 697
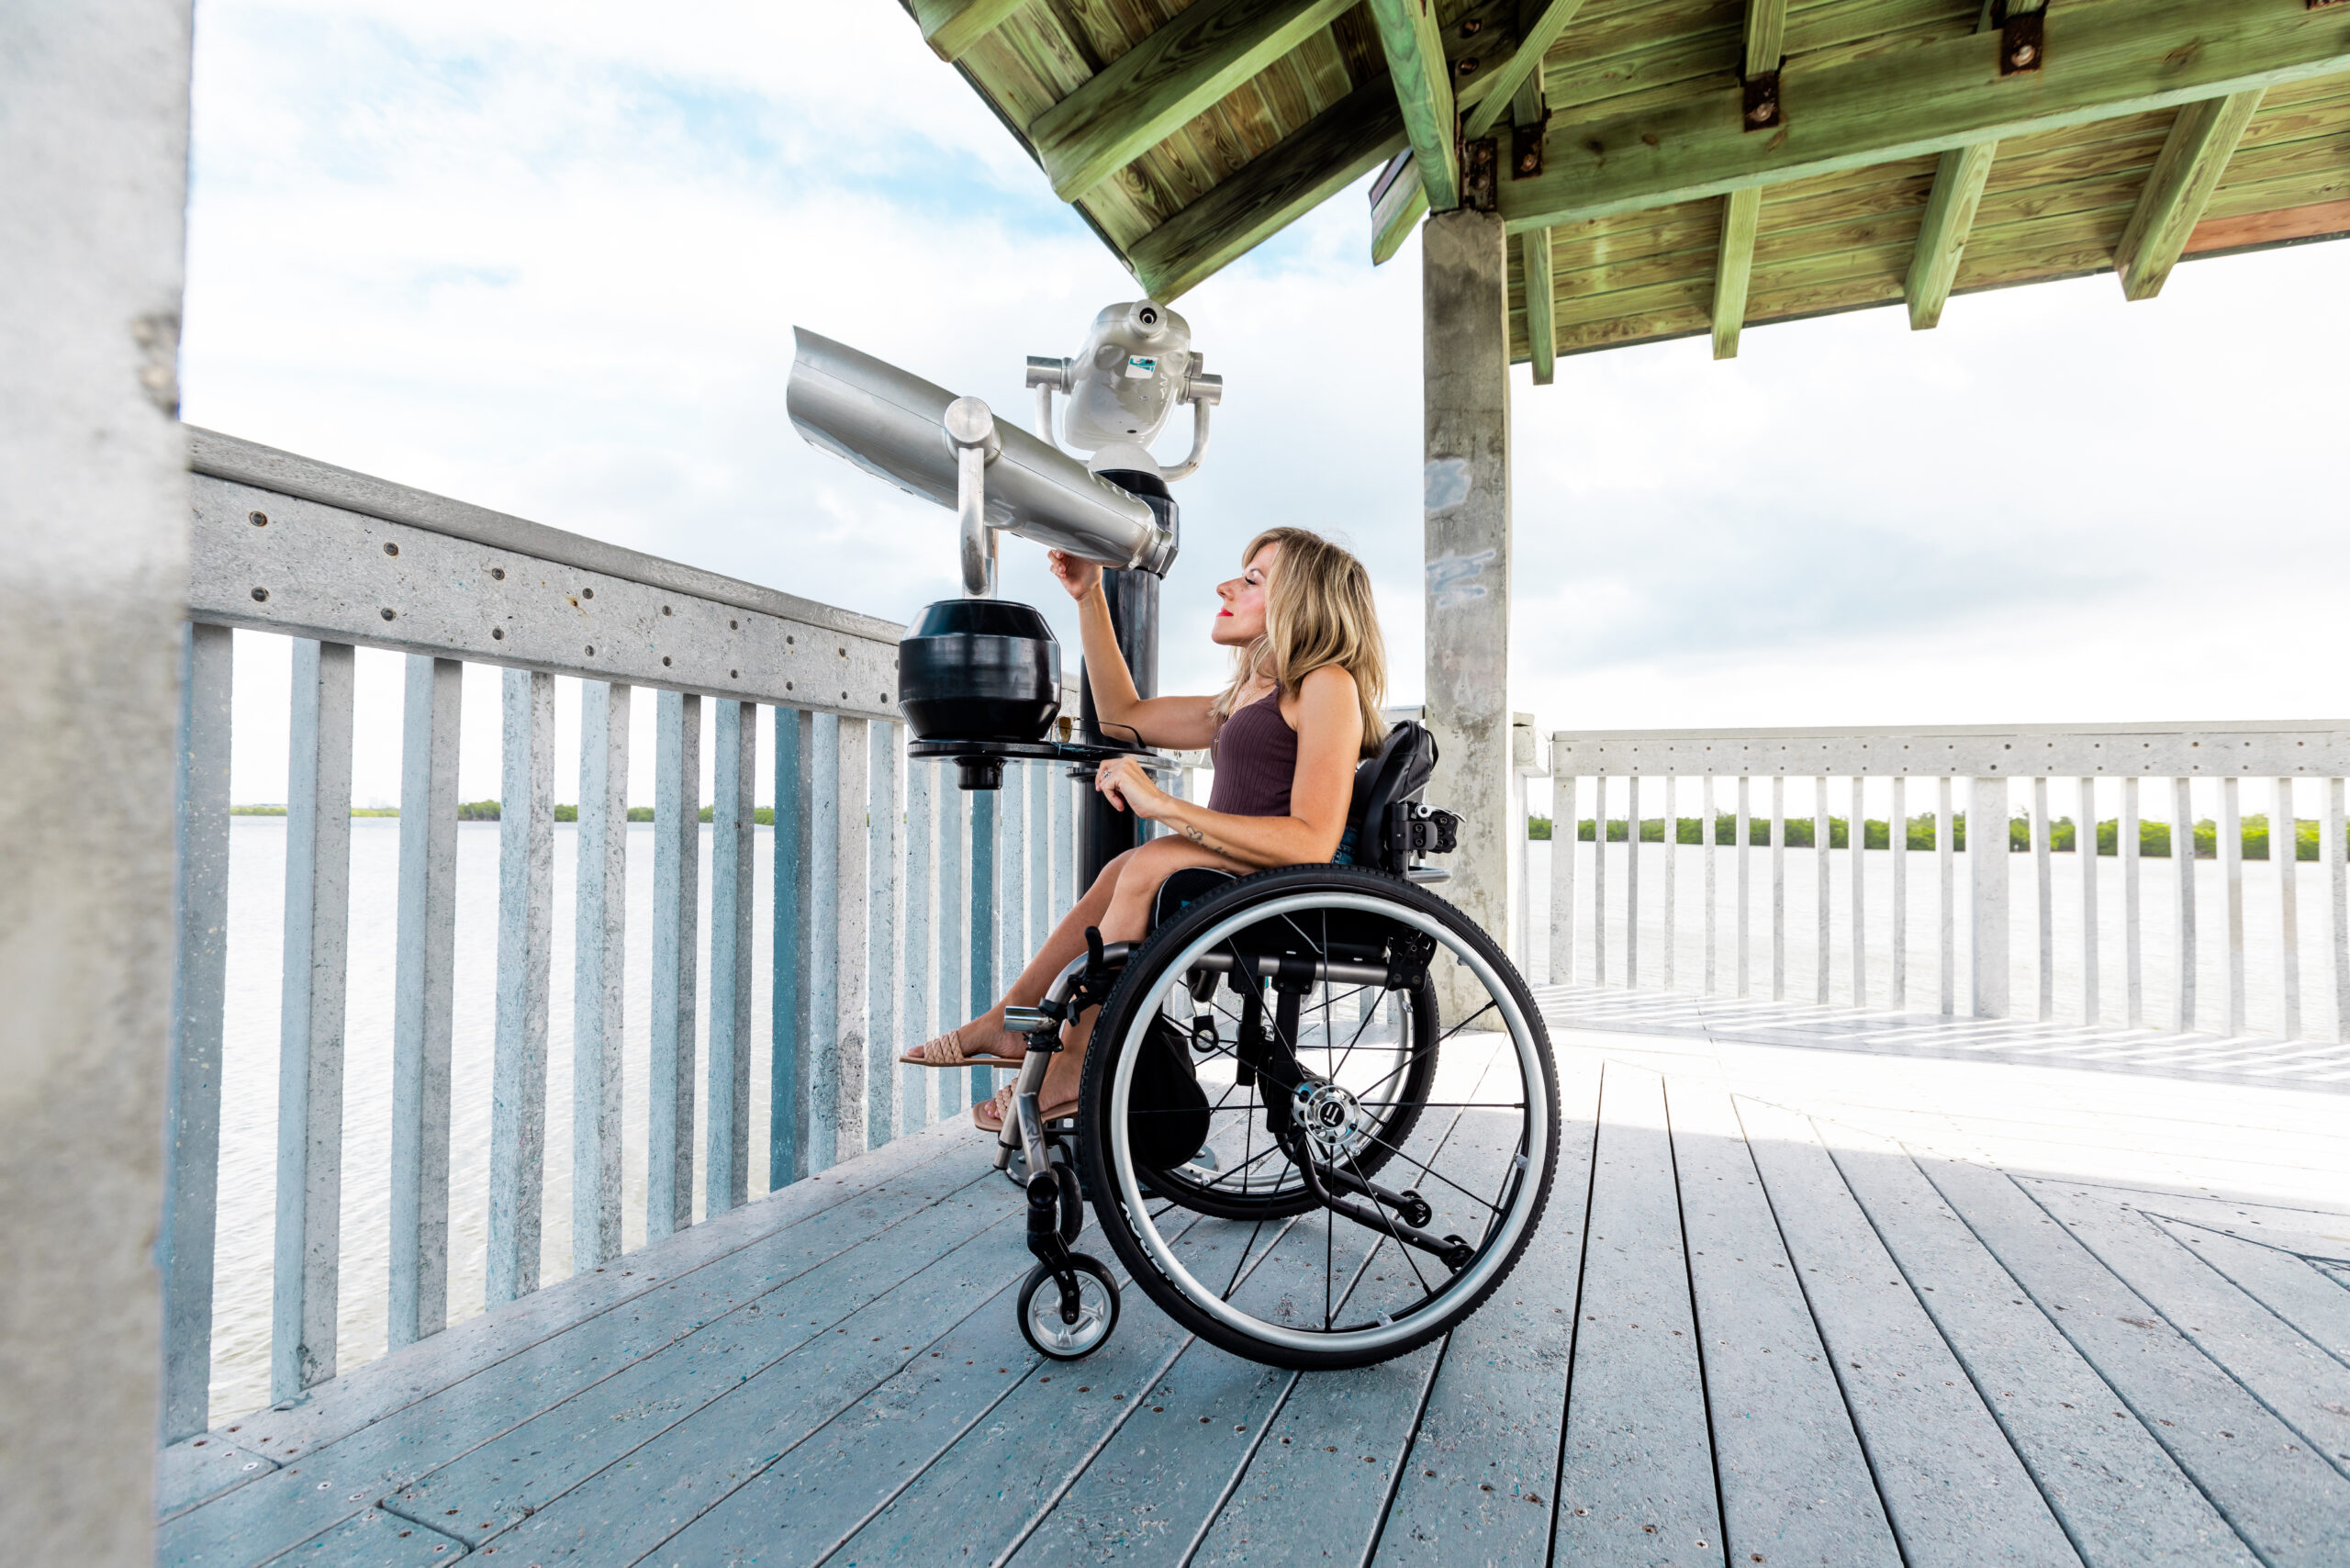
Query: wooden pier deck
column 1789, row 1305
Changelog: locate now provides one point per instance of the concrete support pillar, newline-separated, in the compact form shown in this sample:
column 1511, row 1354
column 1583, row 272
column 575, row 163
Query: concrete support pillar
column 1465, row 366
column 93, row 522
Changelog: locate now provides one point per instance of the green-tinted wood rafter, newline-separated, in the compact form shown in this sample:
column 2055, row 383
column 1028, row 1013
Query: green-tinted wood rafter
column 1421, row 82
column 2102, row 61
column 2193, row 158
column 1177, row 73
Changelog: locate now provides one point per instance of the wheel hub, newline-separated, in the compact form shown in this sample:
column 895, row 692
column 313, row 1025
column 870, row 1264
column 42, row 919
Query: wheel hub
column 1333, row 1119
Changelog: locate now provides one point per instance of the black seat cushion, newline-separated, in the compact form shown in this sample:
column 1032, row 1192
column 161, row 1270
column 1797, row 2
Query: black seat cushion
column 1187, row 886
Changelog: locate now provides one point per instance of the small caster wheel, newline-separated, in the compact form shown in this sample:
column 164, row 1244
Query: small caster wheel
column 1064, row 1331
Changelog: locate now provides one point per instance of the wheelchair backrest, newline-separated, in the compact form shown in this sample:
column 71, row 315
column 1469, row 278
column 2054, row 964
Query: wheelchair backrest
column 1393, row 775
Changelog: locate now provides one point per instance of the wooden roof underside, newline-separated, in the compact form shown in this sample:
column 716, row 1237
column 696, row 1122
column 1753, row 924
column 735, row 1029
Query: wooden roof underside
column 1187, row 131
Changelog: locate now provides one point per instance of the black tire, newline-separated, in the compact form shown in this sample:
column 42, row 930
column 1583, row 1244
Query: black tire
column 1520, row 1162
column 1039, row 1294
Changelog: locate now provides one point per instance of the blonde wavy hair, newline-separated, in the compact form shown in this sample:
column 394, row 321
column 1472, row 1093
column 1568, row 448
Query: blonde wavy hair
column 1318, row 611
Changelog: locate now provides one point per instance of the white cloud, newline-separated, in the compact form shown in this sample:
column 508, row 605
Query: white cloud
column 548, row 258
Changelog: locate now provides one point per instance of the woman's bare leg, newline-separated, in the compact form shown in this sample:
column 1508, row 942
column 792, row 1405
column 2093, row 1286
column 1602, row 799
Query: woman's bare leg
column 986, row 1034
column 1129, row 885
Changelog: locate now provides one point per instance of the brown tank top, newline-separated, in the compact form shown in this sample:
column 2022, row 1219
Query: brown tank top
column 1255, row 761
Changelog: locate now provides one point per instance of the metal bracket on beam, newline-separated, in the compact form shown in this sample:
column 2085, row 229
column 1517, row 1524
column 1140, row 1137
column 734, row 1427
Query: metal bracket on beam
column 2023, row 37
column 1478, row 187
column 1762, row 99
column 1526, row 147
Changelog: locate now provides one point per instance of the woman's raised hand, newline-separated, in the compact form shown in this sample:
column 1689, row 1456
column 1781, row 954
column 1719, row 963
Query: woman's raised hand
column 1079, row 578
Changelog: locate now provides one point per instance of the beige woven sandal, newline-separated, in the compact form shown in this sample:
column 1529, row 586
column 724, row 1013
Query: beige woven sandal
column 989, row 1114
column 947, row 1050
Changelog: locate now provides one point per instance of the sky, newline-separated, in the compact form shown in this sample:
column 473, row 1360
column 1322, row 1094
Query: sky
column 547, row 258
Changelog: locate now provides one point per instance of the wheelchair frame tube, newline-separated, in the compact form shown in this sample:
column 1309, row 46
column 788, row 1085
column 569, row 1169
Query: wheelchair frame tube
column 1024, row 1128
column 1267, row 965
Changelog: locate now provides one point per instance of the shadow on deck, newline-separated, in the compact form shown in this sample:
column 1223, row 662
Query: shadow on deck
column 1788, row 1306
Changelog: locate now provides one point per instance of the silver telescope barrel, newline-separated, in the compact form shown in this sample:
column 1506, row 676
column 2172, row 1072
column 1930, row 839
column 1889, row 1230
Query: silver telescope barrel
column 891, row 423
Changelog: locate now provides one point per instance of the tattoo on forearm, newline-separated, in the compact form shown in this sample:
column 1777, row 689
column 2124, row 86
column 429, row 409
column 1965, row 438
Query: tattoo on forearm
column 1194, row 835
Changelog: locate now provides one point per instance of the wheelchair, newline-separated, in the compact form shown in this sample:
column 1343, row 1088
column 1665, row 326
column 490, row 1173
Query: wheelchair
column 1318, row 1119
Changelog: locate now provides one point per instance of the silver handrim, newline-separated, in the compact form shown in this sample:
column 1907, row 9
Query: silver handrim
column 1500, row 1242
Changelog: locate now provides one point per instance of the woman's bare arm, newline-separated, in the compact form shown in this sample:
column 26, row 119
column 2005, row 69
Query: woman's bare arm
column 1176, row 723
column 1330, row 744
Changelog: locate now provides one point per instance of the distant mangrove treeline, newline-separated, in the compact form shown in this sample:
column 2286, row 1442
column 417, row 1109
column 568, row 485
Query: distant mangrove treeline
column 2063, row 837
column 487, row 812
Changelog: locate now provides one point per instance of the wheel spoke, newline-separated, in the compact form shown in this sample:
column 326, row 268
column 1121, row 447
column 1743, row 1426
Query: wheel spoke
column 1233, row 1283
column 1490, row 1004
column 1400, row 1247
column 1431, row 1170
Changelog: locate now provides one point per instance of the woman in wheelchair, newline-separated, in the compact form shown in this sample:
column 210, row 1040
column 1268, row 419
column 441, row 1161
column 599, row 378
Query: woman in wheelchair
column 1310, row 1105
column 1287, row 733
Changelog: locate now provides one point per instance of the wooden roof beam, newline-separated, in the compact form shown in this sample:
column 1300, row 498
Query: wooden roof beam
column 1329, row 152
column 1512, row 79
column 1734, row 268
column 1174, row 75
column 1422, row 83
column 952, row 26
column 1541, row 313
column 2201, row 141
column 2102, row 61
column 1950, row 214
column 1395, row 207
column 1536, row 34
column 1766, row 30
column 1941, row 238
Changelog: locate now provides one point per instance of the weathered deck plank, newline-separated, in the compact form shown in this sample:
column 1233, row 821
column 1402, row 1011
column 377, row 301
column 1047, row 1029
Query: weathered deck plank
column 196, row 1469
column 1150, row 1491
column 378, row 1540
column 1490, row 1431
column 698, row 1465
column 1795, row 1482
column 669, row 1409
column 2298, row 1383
column 2284, row 1281
column 1332, row 1460
column 883, row 1287
column 1954, row 1490
column 981, row 1496
column 381, row 1388
column 1635, row 1482
column 333, row 1481
column 806, row 1500
column 1326, row 1467
column 2117, row 1493
column 2287, row 1504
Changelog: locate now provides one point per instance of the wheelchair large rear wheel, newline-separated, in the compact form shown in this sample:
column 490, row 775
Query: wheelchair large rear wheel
column 1385, row 1118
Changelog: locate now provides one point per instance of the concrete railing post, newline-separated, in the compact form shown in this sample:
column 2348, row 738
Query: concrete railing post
column 1465, row 366
column 1986, row 880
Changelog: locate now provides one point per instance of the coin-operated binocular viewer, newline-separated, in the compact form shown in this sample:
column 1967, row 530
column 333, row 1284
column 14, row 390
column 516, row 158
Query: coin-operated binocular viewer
column 979, row 678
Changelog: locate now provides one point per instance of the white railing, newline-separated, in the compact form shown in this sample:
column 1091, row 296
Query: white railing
column 897, row 904
column 2123, row 937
